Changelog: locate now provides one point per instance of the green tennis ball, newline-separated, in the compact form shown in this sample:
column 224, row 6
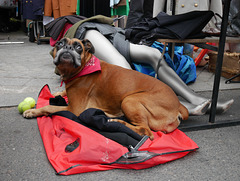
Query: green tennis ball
column 30, row 100
column 23, row 106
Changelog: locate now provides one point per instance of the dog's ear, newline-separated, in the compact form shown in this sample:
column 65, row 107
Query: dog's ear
column 51, row 52
column 88, row 46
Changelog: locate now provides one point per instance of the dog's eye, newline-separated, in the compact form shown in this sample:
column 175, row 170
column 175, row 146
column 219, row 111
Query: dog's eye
column 60, row 44
column 78, row 47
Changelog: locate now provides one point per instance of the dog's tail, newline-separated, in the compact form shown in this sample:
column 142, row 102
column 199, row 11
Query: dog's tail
column 183, row 113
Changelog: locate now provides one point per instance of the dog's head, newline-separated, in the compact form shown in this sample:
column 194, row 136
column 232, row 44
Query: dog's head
column 71, row 55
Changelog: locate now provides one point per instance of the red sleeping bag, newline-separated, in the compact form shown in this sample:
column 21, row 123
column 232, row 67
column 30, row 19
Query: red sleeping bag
column 74, row 148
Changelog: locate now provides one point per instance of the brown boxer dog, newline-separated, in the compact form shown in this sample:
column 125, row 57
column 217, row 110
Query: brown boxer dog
column 148, row 103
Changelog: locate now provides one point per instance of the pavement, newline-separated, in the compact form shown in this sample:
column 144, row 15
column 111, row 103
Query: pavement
column 26, row 67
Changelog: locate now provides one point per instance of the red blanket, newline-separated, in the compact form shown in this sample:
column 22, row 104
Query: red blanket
column 94, row 152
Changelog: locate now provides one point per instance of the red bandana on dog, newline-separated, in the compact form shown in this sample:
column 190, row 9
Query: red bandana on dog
column 93, row 65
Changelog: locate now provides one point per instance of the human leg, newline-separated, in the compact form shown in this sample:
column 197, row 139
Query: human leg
column 104, row 50
column 140, row 53
column 145, row 54
column 196, row 104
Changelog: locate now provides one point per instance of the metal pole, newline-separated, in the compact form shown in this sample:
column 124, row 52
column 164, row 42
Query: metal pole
column 219, row 61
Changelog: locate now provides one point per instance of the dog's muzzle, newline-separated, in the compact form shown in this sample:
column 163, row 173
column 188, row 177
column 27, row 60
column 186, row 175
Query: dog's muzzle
column 67, row 55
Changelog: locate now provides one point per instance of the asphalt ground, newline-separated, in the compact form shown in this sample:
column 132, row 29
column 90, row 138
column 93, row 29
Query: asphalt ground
column 26, row 67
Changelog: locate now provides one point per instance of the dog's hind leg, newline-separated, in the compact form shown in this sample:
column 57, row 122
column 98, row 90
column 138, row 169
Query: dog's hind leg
column 141, row 130
column 136, row 113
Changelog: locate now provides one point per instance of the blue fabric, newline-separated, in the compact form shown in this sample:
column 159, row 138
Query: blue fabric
column 183, row 65
column 144, row 68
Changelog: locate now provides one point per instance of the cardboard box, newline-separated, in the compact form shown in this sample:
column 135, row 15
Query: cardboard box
column 230, row 66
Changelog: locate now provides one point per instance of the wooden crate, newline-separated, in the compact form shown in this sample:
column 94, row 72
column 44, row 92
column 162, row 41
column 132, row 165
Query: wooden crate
column 230, row 67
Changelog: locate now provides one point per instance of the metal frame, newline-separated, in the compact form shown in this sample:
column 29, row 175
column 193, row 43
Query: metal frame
column 222, row 40
column 219, row 61
column 230, row 80
column 211, row 123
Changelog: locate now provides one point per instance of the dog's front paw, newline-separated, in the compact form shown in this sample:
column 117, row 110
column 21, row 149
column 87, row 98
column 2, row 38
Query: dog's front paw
column 30, row 113
column 57, row 94
column 63, row 93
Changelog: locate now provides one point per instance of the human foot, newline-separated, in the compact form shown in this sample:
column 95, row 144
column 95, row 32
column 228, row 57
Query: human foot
column 221, row 106
column 197, row 110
